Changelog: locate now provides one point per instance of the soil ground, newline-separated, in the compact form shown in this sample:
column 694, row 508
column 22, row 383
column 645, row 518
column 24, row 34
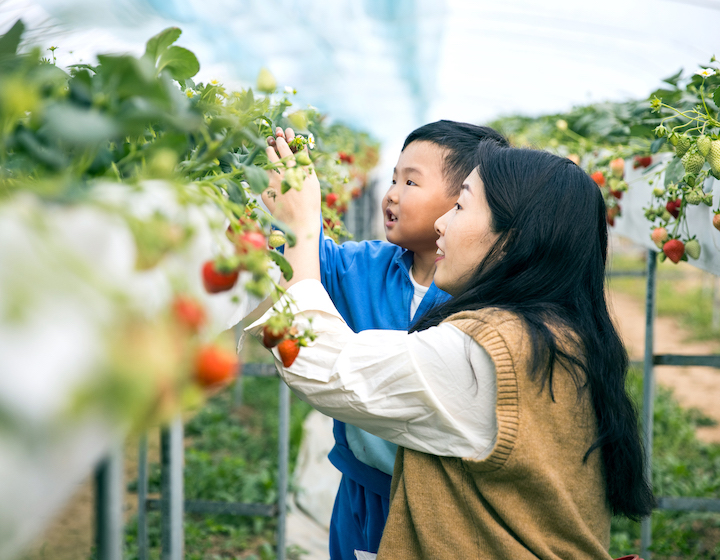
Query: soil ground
column 70, row 537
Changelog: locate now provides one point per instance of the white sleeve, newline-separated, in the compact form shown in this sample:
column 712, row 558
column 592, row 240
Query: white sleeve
column 432, row 391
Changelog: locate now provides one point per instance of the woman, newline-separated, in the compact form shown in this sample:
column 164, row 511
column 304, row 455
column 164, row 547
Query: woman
column 517, row 438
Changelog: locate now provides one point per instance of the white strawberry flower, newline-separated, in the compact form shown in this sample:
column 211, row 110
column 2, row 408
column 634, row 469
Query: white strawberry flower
column 706, row 72
column 290, row 89
column 311, row 141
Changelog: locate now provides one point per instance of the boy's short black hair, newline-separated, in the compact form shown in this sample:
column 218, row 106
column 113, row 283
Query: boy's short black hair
column 460, row 141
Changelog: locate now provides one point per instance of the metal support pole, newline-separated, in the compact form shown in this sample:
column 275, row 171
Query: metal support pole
column 109, row 506
column 648, row 394
column 171, row 457
column 142, row 491
column 716, row 303
column 283, row 461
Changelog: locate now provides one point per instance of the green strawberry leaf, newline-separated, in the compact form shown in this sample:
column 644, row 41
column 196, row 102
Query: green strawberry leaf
column 673, row 80
column 257, row 178
column 282, row 262
column 674, row 172
column 10, row 41
column 235, row 192
column 180, row 62
column 158, row 44
column 716, row 96
column 657, row 144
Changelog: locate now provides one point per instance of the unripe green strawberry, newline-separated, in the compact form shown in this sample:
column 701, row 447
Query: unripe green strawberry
column 266, row 81
column 692, row 162
column 658, row 191
column 692, row 249
column 661, row 257
column 673, row 136
column 713, row 157
column 694, row 197
column 276, row 239
column 703, row 144
column 303, row 158
column 708, row 199
column 682, row 146
column 666, row 216
column 661, row 131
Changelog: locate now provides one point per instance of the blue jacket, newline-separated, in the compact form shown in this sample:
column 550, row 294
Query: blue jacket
column 369, row 283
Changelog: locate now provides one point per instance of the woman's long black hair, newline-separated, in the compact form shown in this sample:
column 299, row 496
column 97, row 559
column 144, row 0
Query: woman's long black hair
column 548, row 267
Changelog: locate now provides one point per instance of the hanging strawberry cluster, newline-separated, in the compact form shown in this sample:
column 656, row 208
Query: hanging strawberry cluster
column 610, row 179
column 694, row 135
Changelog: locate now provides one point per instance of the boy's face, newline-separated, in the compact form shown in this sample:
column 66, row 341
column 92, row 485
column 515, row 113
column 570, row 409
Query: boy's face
column 417, row 197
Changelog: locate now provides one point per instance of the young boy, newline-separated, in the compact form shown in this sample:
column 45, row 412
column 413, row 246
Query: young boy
column 385, row 285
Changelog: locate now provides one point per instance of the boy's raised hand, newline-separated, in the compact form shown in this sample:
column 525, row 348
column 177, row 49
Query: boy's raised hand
column 295, row 208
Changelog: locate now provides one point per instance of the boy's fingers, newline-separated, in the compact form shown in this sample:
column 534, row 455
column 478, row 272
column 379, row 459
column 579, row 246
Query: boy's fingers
column 283, row 149
column 289, row 136
column 272, row 154
column 279, row 132
column 270, row 141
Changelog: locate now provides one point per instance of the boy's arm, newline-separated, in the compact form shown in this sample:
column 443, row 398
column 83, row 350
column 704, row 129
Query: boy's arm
column 299, row 210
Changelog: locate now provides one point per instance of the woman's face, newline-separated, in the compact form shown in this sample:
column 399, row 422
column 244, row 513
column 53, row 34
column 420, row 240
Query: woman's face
column 466, row 236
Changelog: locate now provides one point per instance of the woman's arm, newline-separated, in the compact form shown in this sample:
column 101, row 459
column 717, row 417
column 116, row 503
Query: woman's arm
column 432, row 391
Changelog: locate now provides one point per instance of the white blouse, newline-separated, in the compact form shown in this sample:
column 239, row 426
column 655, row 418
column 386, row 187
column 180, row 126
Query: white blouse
column 432, row 391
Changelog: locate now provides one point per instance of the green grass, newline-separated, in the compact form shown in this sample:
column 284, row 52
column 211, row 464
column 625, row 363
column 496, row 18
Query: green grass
column 679, row 294
column 231, row 455
column 682, row 466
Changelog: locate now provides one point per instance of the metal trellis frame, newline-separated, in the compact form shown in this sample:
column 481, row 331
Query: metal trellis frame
column 650, row 360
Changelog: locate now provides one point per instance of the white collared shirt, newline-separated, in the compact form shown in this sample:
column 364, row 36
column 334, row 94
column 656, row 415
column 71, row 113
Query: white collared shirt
column 433, row 391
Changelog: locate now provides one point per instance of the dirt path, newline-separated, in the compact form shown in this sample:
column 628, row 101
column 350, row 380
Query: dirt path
column 70, row 536
column 697, row 387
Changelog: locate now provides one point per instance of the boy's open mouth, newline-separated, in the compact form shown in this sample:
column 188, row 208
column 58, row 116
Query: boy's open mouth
column 391, row 218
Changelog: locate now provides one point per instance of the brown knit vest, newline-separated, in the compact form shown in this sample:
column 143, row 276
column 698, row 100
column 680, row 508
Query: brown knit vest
column 533, row 497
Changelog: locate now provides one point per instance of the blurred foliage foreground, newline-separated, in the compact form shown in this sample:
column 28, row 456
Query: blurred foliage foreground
column 131, row 237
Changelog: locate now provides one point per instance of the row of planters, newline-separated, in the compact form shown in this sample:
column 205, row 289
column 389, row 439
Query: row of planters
column 672, row 139
column 657, row 163
column 132, row 235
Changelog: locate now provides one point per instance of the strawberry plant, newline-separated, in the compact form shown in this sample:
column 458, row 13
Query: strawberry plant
column 168, row 164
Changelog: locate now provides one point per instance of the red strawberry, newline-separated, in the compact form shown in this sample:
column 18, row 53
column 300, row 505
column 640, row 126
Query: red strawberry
column 346, row 158
column 616, row 194
column 342, row 208
column 642, row 161
column 356, row 192
column 612, row 213
column 272, row 335
column 217, row 280
column 331, row 199
column 673, row 206
column 329, row 223
column 189, row 312
column 250, row 240
column 214, row 365
column 599, row 178
column 716, row 221
column 617, row 166
column 288, row 350
column 674, row 249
